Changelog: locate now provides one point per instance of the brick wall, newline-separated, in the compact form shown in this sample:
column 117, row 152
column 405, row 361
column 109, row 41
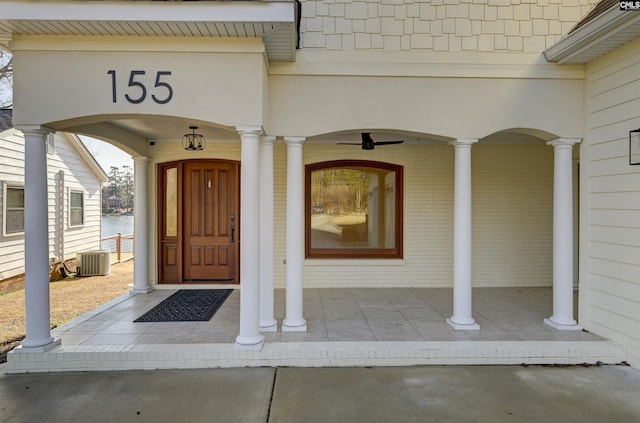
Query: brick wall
column 512, row 217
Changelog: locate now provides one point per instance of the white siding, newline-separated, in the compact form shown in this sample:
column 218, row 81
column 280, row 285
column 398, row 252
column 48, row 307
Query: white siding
column 11, row 171
column 611, row 263
column 77, row 176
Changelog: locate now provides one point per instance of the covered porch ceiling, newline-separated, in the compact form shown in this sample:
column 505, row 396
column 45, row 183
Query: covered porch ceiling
column 171, row 129
column 273, row 21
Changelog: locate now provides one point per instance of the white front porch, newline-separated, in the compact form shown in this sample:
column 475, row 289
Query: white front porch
column 345, row 327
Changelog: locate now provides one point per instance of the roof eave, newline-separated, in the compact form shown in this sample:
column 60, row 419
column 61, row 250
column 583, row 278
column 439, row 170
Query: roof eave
column 280, row 15
column 600, row 28
column 88, row 158
column 148, row 11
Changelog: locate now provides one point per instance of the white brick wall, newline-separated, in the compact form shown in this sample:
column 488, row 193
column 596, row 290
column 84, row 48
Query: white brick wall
column 512, row 217
column 512, row 206
column 451, row 25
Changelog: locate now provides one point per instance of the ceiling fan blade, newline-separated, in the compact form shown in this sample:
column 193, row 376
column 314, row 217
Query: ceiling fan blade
column 348, row 143
column 388, row 142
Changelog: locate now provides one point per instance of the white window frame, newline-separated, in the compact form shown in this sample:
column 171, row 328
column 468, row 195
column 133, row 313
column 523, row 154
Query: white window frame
column 6, row 186
column 73, row 191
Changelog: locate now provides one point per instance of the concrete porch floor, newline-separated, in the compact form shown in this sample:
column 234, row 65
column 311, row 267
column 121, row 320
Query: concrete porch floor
column 346, row 327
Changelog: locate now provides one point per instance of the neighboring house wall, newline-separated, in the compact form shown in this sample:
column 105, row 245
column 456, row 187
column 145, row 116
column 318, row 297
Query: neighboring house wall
column 11, row 172
column 437, row 25
column 78, row 177
column 610, row 269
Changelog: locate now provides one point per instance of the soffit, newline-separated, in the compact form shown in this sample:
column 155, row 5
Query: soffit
column 274, row 22
column 596, row 36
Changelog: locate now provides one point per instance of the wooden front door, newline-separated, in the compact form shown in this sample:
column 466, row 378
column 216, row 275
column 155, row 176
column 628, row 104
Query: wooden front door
column 203, row 208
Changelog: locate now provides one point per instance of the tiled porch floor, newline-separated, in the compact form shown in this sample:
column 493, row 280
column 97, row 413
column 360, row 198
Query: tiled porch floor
column 346, row 327
column 367, row 314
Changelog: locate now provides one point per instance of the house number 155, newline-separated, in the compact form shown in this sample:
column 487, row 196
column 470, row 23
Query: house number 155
column 137, row 92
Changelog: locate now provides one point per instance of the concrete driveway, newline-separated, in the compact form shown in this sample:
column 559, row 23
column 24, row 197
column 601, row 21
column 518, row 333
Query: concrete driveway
column 281, row 395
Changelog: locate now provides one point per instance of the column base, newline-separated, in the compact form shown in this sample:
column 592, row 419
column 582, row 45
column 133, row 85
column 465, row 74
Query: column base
column 141, row 290
column 560, row 326
column 249, row 344
column 294, row 326
column 458, row 326
column 40, row 348
column 269, row 326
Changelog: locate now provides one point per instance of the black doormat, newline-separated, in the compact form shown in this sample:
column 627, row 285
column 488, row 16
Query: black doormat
column 187, row 305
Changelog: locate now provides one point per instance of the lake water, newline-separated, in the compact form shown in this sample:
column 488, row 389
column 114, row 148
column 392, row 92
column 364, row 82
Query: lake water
column 112, row 225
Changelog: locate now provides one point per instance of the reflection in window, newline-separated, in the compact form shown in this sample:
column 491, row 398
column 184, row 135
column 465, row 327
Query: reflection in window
column 14, row 221
column 171, row 205
column 354, row 209
column 76, row 208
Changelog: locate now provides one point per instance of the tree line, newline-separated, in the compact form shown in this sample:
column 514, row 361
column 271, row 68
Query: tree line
column 6, row 80
column 117, row 194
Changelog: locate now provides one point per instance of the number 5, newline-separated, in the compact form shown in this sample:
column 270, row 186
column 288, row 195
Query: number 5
column 165, row 85
column 133, row 83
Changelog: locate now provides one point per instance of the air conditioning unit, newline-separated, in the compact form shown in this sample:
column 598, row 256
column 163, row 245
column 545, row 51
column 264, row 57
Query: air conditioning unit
column 93, row 263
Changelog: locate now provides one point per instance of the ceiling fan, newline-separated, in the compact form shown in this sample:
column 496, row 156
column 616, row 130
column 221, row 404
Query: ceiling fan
column 368, row 143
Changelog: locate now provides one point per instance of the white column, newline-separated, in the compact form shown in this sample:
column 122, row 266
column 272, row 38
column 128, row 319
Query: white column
column 140, row 229
column 462, row 318
column 38, row 312
column 562, row 317
column 249, row 337
column 293, row 321
column 267, row 321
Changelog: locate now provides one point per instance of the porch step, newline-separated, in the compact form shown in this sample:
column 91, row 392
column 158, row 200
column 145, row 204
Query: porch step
column 312, row 354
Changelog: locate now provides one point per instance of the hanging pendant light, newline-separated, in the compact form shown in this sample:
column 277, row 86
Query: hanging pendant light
column 193, row 141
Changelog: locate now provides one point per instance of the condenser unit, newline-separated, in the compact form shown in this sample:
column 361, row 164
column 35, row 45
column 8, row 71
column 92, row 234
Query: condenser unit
column 93, row 263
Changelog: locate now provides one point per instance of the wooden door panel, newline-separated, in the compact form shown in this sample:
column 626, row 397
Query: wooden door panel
column 171, row 255
column 169, row 223
column 223, row 256
column 169, row 263
column 198, row 201
column 210, row 208
column 196, row 252
column 210, row 199
column 223, row 206
column 209, row 256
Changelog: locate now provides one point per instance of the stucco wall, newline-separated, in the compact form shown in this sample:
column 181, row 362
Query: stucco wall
column 206, row 79
column 449, row 107
column 610, row 271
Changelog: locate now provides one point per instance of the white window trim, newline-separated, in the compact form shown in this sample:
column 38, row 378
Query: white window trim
column 5, row 186
column 84, row 207
column 51, row 143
